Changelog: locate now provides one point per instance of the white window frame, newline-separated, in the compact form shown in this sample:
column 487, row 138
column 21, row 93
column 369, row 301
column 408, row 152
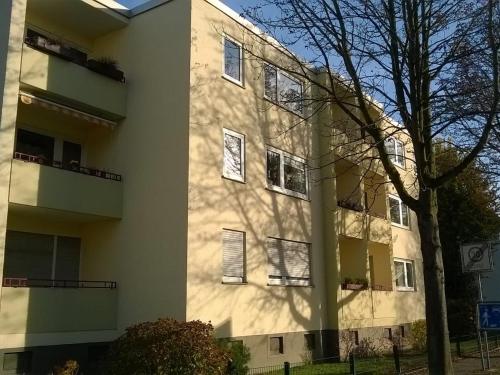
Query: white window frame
column 226, row 173
column 284, row 280
column 281, row 188
column 242, row 70
column 277, row 101
column 235, row 279
column 398, row 147
column 405, row 288
column 401, row 203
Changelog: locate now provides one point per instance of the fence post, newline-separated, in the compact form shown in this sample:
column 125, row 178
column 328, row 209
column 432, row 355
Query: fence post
column 459, row 349
column 287, row 368
column 397, row 365
column 352, row 363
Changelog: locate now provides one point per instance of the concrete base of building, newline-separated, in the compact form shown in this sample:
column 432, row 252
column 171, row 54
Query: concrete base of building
column 266, row 350
column 38, row 360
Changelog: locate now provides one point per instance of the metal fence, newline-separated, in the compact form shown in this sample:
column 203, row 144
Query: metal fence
column 400, row 362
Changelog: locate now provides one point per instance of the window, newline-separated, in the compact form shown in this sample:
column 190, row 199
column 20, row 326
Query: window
column 234, row 155
column 280, row 88
column 286, row 173
column 354, row 337
column 388, row 333
column 400, row 214
column 233, row 61
column 405, row 279
column 19, row 362
column 233, row 254
column 396, row 151
column 402, row 331
column 41, row 256
column 34, row 144
column 310, row 341
column 276, row 345
column 288, row 262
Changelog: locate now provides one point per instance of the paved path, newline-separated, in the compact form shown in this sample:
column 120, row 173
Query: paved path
column 472, row 364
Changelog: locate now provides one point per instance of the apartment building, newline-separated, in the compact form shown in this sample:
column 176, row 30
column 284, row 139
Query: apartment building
column 188, row 187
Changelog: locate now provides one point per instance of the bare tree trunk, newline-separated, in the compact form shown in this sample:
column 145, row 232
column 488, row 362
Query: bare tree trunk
column 438, row 342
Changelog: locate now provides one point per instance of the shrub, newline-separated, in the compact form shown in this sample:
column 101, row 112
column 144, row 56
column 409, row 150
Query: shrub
column 167, row 346
column 70, row 367
column 368, row 348
column 418, row 337
column 240, row 356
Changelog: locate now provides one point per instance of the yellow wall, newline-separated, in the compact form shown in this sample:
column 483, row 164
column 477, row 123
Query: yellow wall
column 166, row 250
column 216, row 203
column 145, row 252
column 12, row 14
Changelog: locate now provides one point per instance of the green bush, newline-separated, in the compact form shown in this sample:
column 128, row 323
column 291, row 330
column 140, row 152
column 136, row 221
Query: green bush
column 167, row 346
column 418, row 337
column 240, row 356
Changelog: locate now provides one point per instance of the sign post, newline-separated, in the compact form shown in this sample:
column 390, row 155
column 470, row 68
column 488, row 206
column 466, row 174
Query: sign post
column 476, row 257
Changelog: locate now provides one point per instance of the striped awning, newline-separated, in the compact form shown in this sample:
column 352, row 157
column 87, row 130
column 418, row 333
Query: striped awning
column 53, row 106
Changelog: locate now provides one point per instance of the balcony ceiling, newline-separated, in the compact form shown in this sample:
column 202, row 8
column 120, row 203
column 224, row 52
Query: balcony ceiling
column 90, row 18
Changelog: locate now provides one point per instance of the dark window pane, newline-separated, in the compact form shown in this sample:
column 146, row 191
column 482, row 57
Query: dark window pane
column 35, row 144
column 28, row 255
column 19, row 363
column 295, row 175
column 232, row 155
column 400, row 274
column 68, row 258
column 232, row 59
column 290, row 93
column 409, row 275
column 405, row 217
column 273, row 168
column 390, row 147
column 72, row 155
column 270, row 82
column 394, row 209
column 276, row 345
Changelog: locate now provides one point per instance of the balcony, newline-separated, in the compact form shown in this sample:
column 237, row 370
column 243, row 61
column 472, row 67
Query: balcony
column 38, row 306
column 80, row 192
column 361, row 225
column 55, row 78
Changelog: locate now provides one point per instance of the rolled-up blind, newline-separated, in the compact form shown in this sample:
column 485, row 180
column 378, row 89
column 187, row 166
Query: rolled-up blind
column 233, row 244
column 288, row 259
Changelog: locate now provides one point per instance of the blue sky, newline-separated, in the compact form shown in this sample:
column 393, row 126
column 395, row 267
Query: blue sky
column 235, row 4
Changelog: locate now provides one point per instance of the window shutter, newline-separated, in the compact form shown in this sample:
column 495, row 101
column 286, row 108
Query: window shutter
column 296, row 256
column 275, row 258
column 233, row 244
column 288, row 261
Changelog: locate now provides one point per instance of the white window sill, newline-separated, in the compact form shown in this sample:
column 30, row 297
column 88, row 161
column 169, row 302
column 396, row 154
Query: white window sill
column 289, row 193
column 404, row 289
column 239, row 179
column 233, row 80
column 233, row 280
column 400, row 225
column 288, row 283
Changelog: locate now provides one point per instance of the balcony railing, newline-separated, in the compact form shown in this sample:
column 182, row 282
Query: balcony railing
column 73, row 167
column 20, row 282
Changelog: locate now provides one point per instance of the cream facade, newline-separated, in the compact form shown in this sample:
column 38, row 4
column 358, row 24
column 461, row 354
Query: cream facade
column 187, row 188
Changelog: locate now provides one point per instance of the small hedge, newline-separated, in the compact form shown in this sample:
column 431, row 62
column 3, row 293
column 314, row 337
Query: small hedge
column 168, row 346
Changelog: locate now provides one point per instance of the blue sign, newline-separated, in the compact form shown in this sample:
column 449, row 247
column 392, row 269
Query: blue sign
column 489, row 316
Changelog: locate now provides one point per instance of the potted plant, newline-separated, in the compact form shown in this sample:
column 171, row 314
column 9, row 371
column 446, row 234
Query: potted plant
column 354, row 284
column 106, row 66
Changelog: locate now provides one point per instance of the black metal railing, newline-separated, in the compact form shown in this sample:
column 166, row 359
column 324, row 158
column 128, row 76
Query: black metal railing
column 72, row 167
column 22, row 282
